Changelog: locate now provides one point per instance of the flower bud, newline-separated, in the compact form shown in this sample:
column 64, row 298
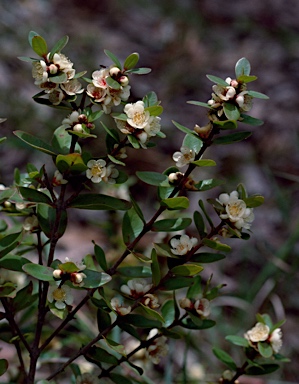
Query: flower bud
column 203, row 132
column 78, row 128
column 175, row 178
column 185, row 303
column 114, row 72
column 53, row 69
column 57, row 273
column 123, row 80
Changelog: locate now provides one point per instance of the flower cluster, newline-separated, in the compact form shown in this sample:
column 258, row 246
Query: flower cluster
column 261, row 333
column 98, row 171
column 158, row 347
column 200, row 306
column 55, row 76
column 235, row 92
column 182, row 245
column 70, row 271
column 76, row 122
column 109, row 95
column 236, row 210
column 139, row 123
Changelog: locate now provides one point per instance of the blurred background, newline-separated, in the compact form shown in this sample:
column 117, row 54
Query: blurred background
column 182, row 41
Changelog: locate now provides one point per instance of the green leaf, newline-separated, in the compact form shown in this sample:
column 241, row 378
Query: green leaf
column 40, row 272
column 201, row 204
column 95, row 279
column 199, row 103
column 31, row 35
column 193, row 142
column 153, row 178
column 6, row 194
column 187, row 270
column 132, row 226
column 206, row 257
column 13, row 263
column 113, row 58
column 7, row 289
column 225, row 358
column 150, row 99
column 175, row 203
column 103, row 319
column 199, row 223
column 216, row 245
column 100, row 257
column 117, row 379
column 238, row 340
column 155, row 268
column 47, row 220
column 258, row 95
column 99, row 202
column 71, row 162
column 58, row 47
column 140, row 321
column 265, row 349
column 199, row 324
column 137, row 208
column 112, row 83
column 24, row 298
column 195, row 289
column 99, row 355
column 226, row 124
column 139, row 71
column 250, row 120
column 131, row 61
column 263, row 369
column 138, row 271
column 3, row 366
column 27, row 59
column 133, row 141
column 204, row 163
column 152, row 313
column 176, row 282
column 232, row 138
column 9, row 242
column 35, row 142
column 155, row 110
column 2, row 139
column 217, row 80
column 231, row 111
column 167, row 225
column 39, row 45
column 35, row 196
column 242, row 68
column 254, row 201
column 246, row 79
column 59, row 79
column 182, row 128
column 168, row 312
column 163, row 249
column 62, row 140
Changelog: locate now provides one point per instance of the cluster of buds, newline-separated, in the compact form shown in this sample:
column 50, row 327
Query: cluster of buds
column 201, row 306
column 70, row 271
column 109, row 87
column 235, row 92
column 77, row 122
column 176, row 177
column 261, row 333
column 139, row 123
column 55, row 77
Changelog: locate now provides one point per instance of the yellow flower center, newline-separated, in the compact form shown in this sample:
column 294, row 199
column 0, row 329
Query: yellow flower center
column 139, row 118
column 59, row 294
column 96, row 170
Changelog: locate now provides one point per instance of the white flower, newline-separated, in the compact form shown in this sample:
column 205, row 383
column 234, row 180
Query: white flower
column 99, row 78
column 87, row 378
column 120, row 308
column 185, row 303
column 137, row 116
column 60, row 295
column 39, row 72
column 111, row 174
column 184, row 157
column 97, row 170
column 260, row 332
column 224, row 93
column 158, row 347
column 97, row 93
column 244, row 101
column 150, row 301
column 30, row 223
column 72, row 87
column 136, row 288
column 182, row 245
column 236, row 210
column 56, row 96
column 275, row 340
column 154, row 127
column 77, row 278
column 58, row 179
column 202, row 307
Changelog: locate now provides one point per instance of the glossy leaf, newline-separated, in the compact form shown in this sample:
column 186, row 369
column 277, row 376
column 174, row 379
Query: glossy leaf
column 195, row 289
column 193, row 142
column 100, row 257
column 6, row 194
column 59, row 79
column 153, row 178
column 140, row 321
column 254, row 201
column 133, row 141
column 47, row 220
column 113, row 58
column 204, row 163
column 137, row 208
column 175, row 203
column 238, row 340
column 139, row 71
column 3, row 366
column 258, row 95
column 226, row 124
column 265, row 349
column 135, row 271
column 246, row 119
column 9, row 242
column 200, row 324
column 231, row 111
column 132, row 226
column 13, row 262
column 95, row 279
column 163, row 249
column 217, row 80
column 187, row 270
column 167, row 225
column 168, row 312
column 99, row 355
column 35, row 196
column 61, row 141
column 206, row 257
column 155, row 268
column 103, row 319
column 176, row 283
column 39, row 45
column 58, row 47
column 71, row 162
column 199, row 223
column 199, row 103
column 246, row 79
column 225, row 358
column 153, row 314
column 40, row 272
column 242, row 67
column 182, row 128
column 150, row 99
column 112, row 83
column 35, row 142
column 131, row 61
column 263, row 369
column 232, row 138
column 99, row 202
column 216, row 245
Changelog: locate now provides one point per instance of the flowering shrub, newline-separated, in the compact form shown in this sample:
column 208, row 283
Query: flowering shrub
column 137, row 298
